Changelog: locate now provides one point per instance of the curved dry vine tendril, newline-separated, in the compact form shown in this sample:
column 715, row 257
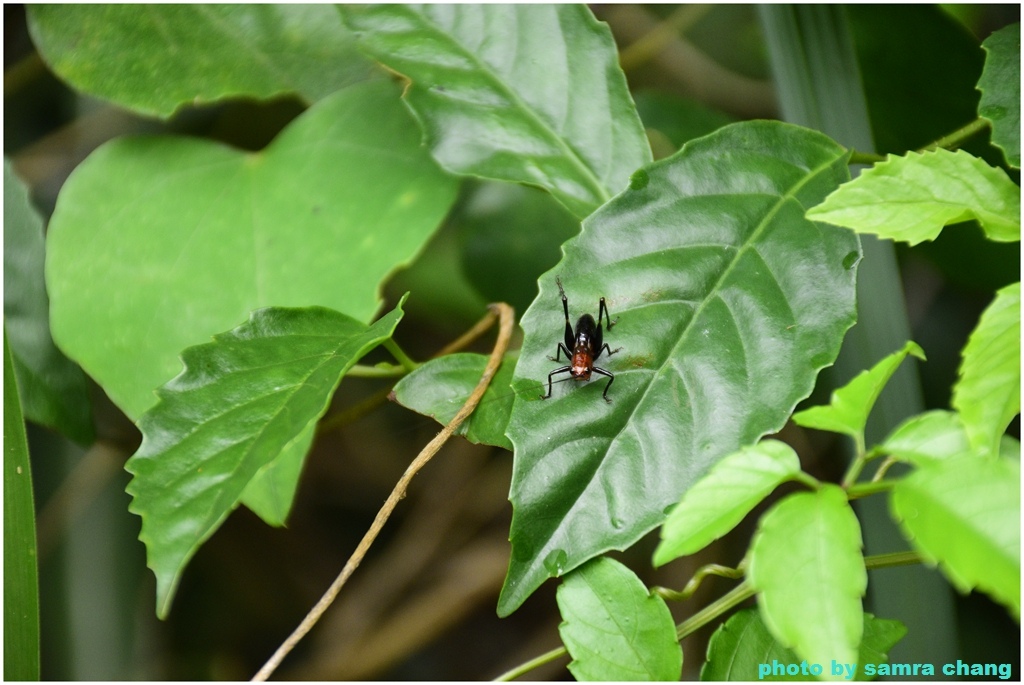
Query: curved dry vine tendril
column 506, row 319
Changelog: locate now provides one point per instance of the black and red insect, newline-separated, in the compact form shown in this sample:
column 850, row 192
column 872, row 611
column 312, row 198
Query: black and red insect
column 586, row 343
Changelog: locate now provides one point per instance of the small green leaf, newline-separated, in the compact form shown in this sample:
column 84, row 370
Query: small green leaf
column 931, row 436
column 53, row 390
column 1000, row 90
column 720, row 500
column 156, row 58
column 158, row 243
column 614, row 628
column 848, row 410
column 21, row 580
column 239, row 402
column 439, row 388
column 806, row 565
column 742, row 649
column 964, row 515
column 541, row 100
column 911, row 198
column 987, row 394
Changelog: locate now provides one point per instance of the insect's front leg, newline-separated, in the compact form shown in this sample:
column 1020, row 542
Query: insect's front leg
column 564, row 369
column 611, row 379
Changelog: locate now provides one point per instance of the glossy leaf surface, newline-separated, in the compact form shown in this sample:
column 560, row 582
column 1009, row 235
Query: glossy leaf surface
column 806, row 564
column 156, row 58
column 614, row 628
column 987, row 394
column 441, row 386
column 239, row 402
column 720, row 500
column 728, row 303
column 53, row 390
column 742, row 648
column 21, row 568
column 525, row 93
column 158, row 243
column 964, row 515
column 1000, row 90
column 848, row 408
column 930, row 436
column 911, row 198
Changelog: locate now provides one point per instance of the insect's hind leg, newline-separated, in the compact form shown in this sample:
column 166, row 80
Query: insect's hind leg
column 602, row 311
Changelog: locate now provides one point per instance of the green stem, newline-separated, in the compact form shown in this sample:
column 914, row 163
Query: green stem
column 858, row 157
column 738, row 594
column 958, row 137
column 381, row 371
column 891, row 559
column 536, row 662
column 859, row 457
column 400, row 355
column 859, row 490
column 807, row 479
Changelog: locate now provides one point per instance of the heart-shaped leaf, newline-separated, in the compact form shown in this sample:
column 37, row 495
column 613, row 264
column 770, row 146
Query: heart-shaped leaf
column 1000, row 90
column 806, row 564
column 728, row 303
column 157, row 243
column 742, row 649
column 911, row 198
column 964, row 515
column 614, row 628
column 987, row 394
column 720, row 500
column 239, row 402
column 526, row 93
column 156, row 58
column 53, row 390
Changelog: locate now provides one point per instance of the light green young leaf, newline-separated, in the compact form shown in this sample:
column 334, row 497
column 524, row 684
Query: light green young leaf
column 742, row 649
column 239, row 402
column 156, row 58
column 720, row 500
column 847, row 412
column 911, row 198
column 158, row 243
column 806, row 565
column 987, row 394
column 440, row 387
column 1000, row 90
column 614, row 628
column 53, row 390
column 930, row 436
column 21, row 569
column 964, row 515
column 525, row 93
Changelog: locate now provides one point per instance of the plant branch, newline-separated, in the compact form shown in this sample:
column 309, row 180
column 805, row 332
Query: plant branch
column 506, row 317
column 891, row 559
column 400, row 355
column 957, row 137
column 738, row 594
column 694, row 583
column 533, row 663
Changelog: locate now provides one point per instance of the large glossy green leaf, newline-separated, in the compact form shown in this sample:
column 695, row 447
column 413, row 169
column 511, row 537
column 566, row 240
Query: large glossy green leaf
column 742, row 649
column 911, row 198
column 964, row 515
column 614, row 628
column 157, row 58
column 720, row 500
column 21, row 580
column 239, row 402
column 806, row 564
column 848, row 408
column 987, row 394
column 53, row 390
column 728, row 302
column 1000, row 90
column 157, row 243
column 441, row 386
column 524, row 93
column 928, row 437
